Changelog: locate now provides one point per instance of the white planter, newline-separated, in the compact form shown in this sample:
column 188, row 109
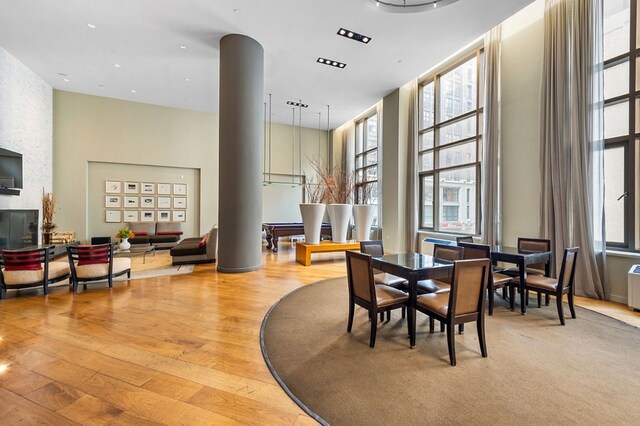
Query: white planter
column 363, row 216
column 340, row 216
column 312, row 214
column 124, row 244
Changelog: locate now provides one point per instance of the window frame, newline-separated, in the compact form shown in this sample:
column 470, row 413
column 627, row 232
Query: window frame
column 362, row 155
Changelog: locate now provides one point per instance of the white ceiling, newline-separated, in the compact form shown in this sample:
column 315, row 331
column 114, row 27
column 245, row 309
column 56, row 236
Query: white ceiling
column 144, row 37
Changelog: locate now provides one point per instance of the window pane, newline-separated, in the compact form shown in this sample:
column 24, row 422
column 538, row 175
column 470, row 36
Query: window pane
column 459, row 130
column 371, row 173
column 616, row 80
column 456, row 213
column 614, row 170
column 426, row 161
column 359, row 175
column 371, row 158
column 616, row 120
column 359, row 136
column 427, row 106
column 359, row 161
column 457, row 155
column 426, row 140
column 427, row 202
column 458, row 91
column 372, row 132
column 616, row 27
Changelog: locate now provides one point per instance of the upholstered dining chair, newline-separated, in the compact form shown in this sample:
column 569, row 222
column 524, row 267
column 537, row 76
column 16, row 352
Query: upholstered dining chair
column 30, row 268
column 557, row 287
column 363, row 291
column 496, row 280
column 463, row 303
column 444, row 253
column 464, row 239
column 530, row 245
column 95, row 263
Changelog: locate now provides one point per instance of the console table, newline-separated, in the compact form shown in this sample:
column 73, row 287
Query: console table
column 304, row 250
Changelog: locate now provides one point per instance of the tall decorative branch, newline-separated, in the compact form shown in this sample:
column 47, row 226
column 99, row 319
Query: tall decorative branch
column 315, row 191
column 338, row 183
column 49, row 203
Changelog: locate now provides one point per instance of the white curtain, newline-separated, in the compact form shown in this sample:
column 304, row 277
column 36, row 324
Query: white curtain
column 492, row 212
column 571, row 145
column 411, row 201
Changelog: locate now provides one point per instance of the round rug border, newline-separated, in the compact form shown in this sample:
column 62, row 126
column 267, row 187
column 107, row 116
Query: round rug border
column 267, row 360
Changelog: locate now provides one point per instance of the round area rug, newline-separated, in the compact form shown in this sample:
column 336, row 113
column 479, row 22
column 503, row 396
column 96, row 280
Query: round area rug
column 537, row 371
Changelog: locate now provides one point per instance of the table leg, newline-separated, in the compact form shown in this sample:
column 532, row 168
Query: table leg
column 413, row 291
column 275, row 244
column 523, row 277
column 269, row 241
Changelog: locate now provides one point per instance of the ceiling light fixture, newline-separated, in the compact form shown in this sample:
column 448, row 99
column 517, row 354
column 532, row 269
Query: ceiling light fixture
column 133, row 91
column 117, row 65
column 187, row 79
column 331, row 62
column 408, row 6
column 92, row 26
column 65, row 79
column 353, row 35
column 298, row 104
column 183, row 47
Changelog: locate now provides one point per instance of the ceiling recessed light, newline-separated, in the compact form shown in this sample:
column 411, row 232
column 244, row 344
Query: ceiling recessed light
column 354, row 35
column 182, row 46
column 187, row 79
column 92, row 26
column 62, row 74
column 117, row 65
column 133, row 91
column 331, row 62
column 65, row 79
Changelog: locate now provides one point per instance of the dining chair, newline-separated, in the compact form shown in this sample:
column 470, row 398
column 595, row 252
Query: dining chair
column 530, row 245
column 463, row 303
column 442, row 253
column 24, row 268
column 363, row 291
column 557, row 286
column 496, row 280
column 95, row 262
column 464, row 239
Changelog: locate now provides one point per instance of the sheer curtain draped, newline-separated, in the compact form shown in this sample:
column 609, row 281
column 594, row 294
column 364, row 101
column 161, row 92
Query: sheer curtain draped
column 572, row 138
column 492, row 216
column 411, row 204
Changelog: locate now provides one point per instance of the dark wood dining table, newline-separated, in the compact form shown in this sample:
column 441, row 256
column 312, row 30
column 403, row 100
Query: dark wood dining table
column 522, row 259
column 413, row 267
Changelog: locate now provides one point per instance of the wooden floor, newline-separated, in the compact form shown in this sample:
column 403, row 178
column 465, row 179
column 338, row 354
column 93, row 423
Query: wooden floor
column 172, row 350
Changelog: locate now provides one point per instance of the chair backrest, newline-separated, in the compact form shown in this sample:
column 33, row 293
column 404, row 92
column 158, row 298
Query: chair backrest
column 468, row 286
column 534, row 245
column 100, row 240
column 90, row 254
column 360, row 276
column 476, row 251
column 464, row 239
column 26, row 259
column 373, row 248
column 447, row 253
column 568, row 269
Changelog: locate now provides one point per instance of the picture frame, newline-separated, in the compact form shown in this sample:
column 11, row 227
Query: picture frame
column 179, row 216
column 147, row 202
column 164, row 189
column 112, row 187
column 111, row 201
column 148, row 188
column 147, row 216
column 164, row 216
column 179, row 189
column 164, row 202
column 131, row 216
column 131, row 202
column 131, row 188
column 113, row 216
column 179, row 202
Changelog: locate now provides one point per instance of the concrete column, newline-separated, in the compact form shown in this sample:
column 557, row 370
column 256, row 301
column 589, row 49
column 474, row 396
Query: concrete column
column 241, row 154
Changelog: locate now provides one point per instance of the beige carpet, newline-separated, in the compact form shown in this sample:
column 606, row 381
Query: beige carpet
column 537, row 372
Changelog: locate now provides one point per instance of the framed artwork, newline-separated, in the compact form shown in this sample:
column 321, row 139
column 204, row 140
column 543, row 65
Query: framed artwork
column 147, row 202
column 112, row 187
column 112, row 201
column 164, row 216
column 147, row 216
column 164, row 202
column 148, row 188
column 131, row 188
column 164, row 189
column 179, row 189
column 131, row 202
column 179, row 216
column 179, row 202
column 131, row 216
column 113, row 216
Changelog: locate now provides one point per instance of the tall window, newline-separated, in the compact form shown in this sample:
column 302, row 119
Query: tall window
column 621, row 121
column 367, row 163
column 450, row 143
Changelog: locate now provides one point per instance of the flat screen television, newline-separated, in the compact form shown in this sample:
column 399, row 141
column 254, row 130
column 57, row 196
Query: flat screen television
column 10, row 169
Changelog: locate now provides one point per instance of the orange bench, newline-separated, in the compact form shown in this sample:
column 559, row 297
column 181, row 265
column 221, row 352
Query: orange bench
column 304, row 250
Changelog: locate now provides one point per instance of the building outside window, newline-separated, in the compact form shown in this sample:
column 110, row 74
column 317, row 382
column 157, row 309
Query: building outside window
column 366, row 164
column 621, row 121
column 449, row 148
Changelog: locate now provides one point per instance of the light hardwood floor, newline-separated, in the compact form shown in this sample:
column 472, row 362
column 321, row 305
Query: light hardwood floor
column 174, row 350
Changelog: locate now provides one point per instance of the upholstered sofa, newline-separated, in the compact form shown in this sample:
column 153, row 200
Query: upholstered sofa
column 163, row 235
column 196, row 250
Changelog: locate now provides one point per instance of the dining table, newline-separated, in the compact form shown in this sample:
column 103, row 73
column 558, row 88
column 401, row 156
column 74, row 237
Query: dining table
column 413, row 267
column 521, row 258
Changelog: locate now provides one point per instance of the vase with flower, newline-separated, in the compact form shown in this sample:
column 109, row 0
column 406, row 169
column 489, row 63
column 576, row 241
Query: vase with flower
column 124, row 234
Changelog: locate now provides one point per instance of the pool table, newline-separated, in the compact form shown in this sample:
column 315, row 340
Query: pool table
column 277, row 230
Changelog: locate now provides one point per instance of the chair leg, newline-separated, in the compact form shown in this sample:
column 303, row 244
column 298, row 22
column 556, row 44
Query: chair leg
column 451, row 343
column 432, row 324
column 491, row 297
column 129, row 271
column 404, row 312
column 350, row 322
column 512, row 297
column 110, row 279
column 546, row 299
column 539, row 298
column 481, row 336
column 75, row 286
column 374, row 328
column 388, row 315
column 559, row 304
column 382, row 316
column 504, row 292
column 526, row 297
column 3, row 293
column 441, row 327
column 571, row 308
column 460, row 328
column 46, row 288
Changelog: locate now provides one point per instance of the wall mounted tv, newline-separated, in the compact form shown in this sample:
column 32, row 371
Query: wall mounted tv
column 10, row 169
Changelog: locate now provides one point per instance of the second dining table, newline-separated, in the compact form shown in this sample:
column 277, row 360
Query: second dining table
column 413, row 267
